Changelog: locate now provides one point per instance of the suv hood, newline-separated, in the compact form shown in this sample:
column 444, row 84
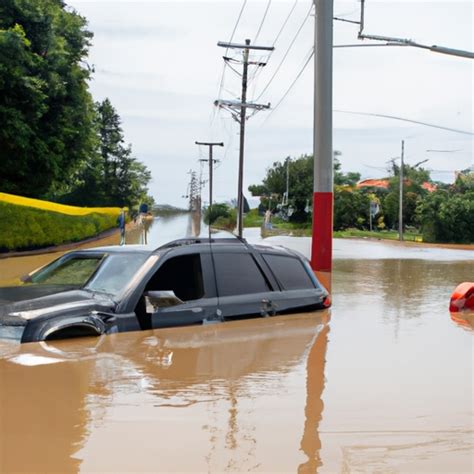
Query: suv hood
column 12, row 294
column 17, row 307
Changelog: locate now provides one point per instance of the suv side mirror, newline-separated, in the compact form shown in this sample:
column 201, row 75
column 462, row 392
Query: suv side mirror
column 160, row 299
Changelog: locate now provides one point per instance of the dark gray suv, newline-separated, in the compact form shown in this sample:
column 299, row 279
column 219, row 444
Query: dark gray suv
column 188, row 281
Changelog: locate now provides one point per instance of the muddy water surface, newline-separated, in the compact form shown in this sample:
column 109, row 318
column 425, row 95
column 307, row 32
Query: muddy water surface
column 382, row 383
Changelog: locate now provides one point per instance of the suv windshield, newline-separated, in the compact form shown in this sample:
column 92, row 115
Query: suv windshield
column 67, row 270
column 95, row 272
column 115, row 273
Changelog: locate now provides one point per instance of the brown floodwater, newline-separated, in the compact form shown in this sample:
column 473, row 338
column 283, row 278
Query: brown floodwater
column 383, row 382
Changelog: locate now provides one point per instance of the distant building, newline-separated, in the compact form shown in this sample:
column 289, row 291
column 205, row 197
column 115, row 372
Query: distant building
column 373, row 183
column 383, row 183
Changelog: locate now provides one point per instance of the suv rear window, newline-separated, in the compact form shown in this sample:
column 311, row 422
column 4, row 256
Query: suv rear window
column 238, row 274
column 289, row 271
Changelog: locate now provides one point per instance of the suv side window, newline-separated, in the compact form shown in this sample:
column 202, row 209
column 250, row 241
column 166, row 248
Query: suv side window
column 238, row 274
column 181, row 274
column 289, row 271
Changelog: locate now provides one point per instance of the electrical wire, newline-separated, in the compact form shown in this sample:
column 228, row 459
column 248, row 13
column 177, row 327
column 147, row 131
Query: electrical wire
column 311, row 54
column 286, row 53
column 263, row 21
column 402, row 119
column 221, row 83
column 285, row 22
column 266, row 58
column 392, row 117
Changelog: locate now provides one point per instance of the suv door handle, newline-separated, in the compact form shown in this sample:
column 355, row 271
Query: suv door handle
column 268, row 308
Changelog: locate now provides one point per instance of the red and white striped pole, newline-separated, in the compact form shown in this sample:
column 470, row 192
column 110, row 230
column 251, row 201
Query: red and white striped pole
column 321, row 246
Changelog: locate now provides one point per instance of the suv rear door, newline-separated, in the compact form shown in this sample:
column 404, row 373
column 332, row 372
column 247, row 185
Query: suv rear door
column 298, row 288
column 243, row 288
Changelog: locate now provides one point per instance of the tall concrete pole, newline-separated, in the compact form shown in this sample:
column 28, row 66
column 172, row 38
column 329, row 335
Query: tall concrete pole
column 243, row 118
column 400, row 204
column 321, row 248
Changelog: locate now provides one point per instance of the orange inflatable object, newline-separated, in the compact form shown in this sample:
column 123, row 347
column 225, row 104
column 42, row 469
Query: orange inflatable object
column 462, row 298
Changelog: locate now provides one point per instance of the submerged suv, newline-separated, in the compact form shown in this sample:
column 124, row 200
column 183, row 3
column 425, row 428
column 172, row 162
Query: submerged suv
column 189, row 281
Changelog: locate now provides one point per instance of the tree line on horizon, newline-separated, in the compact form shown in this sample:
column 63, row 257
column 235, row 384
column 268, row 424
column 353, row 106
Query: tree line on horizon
column 443, row 215
column 56, row 143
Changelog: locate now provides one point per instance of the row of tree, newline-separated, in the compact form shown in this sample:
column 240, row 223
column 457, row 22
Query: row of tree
column 55, row 142
column 441, row 212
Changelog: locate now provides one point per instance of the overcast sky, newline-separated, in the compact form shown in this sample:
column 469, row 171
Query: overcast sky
column 159, row 64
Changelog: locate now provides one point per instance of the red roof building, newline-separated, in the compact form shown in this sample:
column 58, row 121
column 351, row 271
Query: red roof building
column 384, row 183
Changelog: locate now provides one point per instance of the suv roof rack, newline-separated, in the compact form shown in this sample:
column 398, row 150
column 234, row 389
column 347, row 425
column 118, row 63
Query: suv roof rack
column 204, row 240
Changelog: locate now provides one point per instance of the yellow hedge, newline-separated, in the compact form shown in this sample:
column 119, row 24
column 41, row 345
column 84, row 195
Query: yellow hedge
column 55, row 207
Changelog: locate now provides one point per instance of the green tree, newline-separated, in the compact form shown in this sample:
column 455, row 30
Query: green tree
column 351, row 208
column 111, row 176
column 464, row 182
column 211, row 214
column 46, row 110
column 300, row 183
column 447, row 217
column 413, row 192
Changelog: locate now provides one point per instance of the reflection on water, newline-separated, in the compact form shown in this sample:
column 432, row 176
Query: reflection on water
column 128, row 401
column 165, row 228
column 388, row 389
column 464, row 320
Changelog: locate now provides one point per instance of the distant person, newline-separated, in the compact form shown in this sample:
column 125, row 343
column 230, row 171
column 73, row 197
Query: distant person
column 121, row 225
column 268, row 218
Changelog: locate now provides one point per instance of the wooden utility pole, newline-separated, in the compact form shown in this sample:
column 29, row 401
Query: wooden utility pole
column 211, row 165
column 239, row 113
column 243, row 119
column 400, row 205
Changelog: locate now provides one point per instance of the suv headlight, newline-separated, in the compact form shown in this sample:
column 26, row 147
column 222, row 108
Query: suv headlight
column 11, row 333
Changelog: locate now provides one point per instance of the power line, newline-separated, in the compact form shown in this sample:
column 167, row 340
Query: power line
column 262, row 22
column 393, row 117
column 444, row 151
column 257, row 72
column 285, row 22
column 286, row 53
column 226, row 51
column 311, row 54
column 402, row 119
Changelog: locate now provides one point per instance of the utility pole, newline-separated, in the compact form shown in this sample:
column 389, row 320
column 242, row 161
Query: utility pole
column 211, row 165
column 239, row 113
column 321, row 246
column 287, row 194
column 194, row 192
column 243, row 119
column 370, row 216
column 400, row 205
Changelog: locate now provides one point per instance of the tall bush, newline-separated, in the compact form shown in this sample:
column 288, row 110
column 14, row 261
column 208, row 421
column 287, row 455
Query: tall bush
column 25, row 228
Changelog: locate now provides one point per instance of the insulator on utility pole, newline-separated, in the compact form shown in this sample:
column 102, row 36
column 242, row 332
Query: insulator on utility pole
column 238, row 111
column 391, row 41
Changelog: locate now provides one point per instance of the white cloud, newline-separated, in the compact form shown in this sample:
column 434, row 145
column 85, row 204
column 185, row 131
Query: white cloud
column 160, row 65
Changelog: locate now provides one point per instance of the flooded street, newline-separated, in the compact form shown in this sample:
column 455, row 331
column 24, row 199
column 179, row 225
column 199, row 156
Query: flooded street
column 383, row 382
